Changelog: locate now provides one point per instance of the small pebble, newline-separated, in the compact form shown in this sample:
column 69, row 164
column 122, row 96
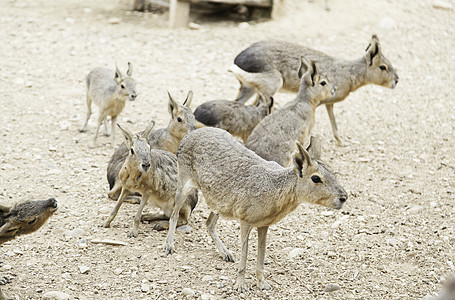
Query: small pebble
column 118, row 271
column 296, row 252
column 84, row 269
column 114, row 21
column 188, row 292
column 56, row 295
column 331, row 287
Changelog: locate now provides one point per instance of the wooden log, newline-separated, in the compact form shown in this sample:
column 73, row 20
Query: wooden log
column 179, row 13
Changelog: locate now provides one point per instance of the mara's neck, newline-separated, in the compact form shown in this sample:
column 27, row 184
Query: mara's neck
column 357, row 70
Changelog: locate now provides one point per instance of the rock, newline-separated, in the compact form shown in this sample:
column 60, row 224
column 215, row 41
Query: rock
column 118, row 271
column 105, row 210
column 331, row 287
column 114, row 21
column 84, row 269
column 331, row 254
column 145, row 288
column 74, row 232
column 29, row 84
column 439, row 4
column 207, row 278
column 194, row 26
column 296, row 252
column 244, row 25
column 327, row 213
column 7, row 267
column 56, row 295
column 184, row 229
column 207, row 297
column 188, row 292
column 392, row 242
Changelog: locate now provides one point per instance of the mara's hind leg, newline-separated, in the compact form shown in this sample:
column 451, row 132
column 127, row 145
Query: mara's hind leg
column 262, row 237
column 333, row 122
column 106, row 127
column 245, row 230
column 101, row 117
column 89, row 113
column 184, row 188
column 113, row 122
column 211, row 224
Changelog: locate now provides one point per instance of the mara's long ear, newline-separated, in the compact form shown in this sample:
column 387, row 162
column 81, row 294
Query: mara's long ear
column 172, row 106
column 304, row 66
column 314, row 71
column 373, row 51
column 128, row 136
column 305, row 71
column 188, row 99
column 118, row 75
column 4, row 209
column 271, row 102
column 314, row 149
column 130, row 69
column 147, row 130
column 301, row 159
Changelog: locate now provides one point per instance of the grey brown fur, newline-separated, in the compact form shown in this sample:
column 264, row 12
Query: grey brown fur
column 236, row 118
column 109, row 90
column 270, row 65
column 182, row 121
column 274, row 137
column 448, row 292
column 24, row 218
column 153, row 173
column 238, row 184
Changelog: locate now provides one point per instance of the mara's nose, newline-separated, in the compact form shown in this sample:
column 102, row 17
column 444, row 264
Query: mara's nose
column 343, row 199
column 132, row 97
column 334, row 90
column 146, row 166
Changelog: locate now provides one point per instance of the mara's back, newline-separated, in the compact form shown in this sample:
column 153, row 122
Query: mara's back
column 224, row 169
column 274, row 137
column 100, row 82
column 270, row 55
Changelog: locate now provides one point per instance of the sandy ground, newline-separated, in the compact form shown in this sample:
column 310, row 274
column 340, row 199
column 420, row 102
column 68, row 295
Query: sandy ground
column 393, row 240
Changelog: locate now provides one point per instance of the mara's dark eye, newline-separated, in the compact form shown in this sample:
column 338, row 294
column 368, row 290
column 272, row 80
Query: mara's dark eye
column 122, row 86
column 323, row 83
column 32, row 222
column 132, row 151
column 316, row 179
column 383, row 68
column 179, row 119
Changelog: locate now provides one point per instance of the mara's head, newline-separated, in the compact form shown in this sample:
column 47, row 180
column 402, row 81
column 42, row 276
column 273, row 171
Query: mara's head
column 139, row 149
column 313, row 83
column 317, row 183
column 126, row 85
column 182, row 118
column 379, row 69
column 26, row 217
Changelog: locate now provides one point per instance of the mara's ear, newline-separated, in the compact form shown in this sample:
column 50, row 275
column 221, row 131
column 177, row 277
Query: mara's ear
column 130, row 69
column 304, row 66
column 314, row 149
column 147, row 130
column 172, row 106
column 5, row 228
column 188, row 99
column 128, row 136
column 118, row 75
column 301, row 159
column 314, row 71
column 306, row 71
column 373, row 51
column 4, row 209
column 272, row 101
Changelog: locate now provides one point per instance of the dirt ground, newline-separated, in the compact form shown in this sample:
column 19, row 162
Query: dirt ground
column 395, row 237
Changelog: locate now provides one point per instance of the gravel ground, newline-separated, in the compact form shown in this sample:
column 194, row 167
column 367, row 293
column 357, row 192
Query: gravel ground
column 393, row 240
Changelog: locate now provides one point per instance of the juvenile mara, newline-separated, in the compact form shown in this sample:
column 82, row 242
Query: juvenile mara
column 238, row 184
column 236, row 118
column 182, row 121
column 270, row 65
column 153, row 173
column 109, row 90
column 274, row 137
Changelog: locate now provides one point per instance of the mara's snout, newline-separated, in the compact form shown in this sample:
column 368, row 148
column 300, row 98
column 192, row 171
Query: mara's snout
column 339, row 201
column 333, row 91
column 53, row 203
column 394, row 82
column 132, row 97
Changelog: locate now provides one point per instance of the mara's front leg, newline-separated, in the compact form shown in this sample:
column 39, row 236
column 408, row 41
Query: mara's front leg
column 114, row 212
column 245, row 230
column 137, row 219
column 262, row 237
